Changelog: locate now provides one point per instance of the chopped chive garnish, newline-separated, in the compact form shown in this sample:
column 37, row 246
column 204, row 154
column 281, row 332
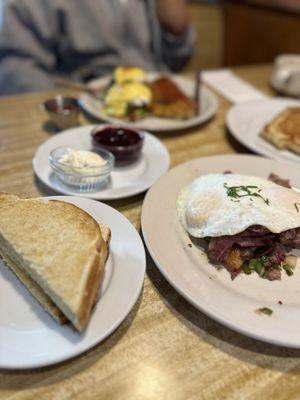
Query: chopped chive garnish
column 264, row 310
column 288, row 269
column 297, row 206
column 252, row 264
column 259, row 268
column 235, row 192
column 264, row 258
column 246, row 268
column 256, row 264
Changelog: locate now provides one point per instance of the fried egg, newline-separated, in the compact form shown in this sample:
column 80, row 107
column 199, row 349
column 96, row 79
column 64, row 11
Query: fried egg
column 227, row 204
column 119, row 96
column 129, row 74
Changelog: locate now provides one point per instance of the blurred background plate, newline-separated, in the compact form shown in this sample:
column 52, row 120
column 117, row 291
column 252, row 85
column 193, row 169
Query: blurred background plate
column 245, row 122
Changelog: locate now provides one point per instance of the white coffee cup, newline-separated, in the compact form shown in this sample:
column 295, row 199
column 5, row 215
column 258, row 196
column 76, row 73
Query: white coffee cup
column 286, row 74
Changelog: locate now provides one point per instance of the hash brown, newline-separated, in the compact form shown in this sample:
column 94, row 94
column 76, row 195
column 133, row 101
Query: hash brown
column 168, row 101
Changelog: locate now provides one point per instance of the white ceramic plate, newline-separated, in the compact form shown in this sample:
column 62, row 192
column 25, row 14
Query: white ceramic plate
column 245, row 121
column 232, row 303
column 124, row 181
column 30, row 338
column 209, row 106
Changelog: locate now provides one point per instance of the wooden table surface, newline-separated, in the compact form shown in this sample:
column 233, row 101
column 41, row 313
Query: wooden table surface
column 165, row 349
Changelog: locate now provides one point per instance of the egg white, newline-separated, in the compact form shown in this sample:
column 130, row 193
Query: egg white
column 205, row 209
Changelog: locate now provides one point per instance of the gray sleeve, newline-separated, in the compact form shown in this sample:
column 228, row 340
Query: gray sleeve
column 26, row 57
column 176, row 51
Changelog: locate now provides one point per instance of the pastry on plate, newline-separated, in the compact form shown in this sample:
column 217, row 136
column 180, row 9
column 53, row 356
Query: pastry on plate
column 284, row 130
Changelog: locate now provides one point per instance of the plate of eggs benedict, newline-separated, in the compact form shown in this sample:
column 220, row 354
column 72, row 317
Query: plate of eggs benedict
column 149, row 100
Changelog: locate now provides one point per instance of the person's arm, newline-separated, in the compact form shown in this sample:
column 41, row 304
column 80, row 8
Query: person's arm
column 173, row 16
column 178, row 37
column 26, row 59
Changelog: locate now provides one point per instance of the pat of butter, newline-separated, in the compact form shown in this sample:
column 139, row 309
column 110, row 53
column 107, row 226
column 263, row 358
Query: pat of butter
column 82, row 160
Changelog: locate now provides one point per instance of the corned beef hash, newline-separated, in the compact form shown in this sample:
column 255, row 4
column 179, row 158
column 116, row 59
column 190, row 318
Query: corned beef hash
column 251, row 224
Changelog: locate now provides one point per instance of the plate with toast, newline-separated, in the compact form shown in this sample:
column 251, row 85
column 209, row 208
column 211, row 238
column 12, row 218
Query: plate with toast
column 124, row 181
column 149, row 100
column 268, row 127
column 71, row 269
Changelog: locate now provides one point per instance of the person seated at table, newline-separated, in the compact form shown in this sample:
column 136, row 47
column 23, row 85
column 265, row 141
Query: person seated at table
column 80, row 40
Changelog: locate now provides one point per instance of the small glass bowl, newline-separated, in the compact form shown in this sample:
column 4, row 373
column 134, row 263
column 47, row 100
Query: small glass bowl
column 84, row 179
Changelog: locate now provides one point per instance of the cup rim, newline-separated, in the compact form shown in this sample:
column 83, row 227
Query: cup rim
column 289, row 57
column 64, row 112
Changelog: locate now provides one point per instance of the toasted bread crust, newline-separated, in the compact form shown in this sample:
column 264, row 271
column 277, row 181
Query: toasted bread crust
column 94, row 281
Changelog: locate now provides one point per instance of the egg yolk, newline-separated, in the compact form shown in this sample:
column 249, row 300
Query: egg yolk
column 119, row 96
column 129, row 74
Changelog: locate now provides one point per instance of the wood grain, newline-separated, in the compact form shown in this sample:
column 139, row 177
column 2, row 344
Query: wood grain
column 207, row 20
column 246, row 23
column 165, row 349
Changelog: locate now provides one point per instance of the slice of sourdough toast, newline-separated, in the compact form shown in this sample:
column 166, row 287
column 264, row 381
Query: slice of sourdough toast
column 58, row 251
